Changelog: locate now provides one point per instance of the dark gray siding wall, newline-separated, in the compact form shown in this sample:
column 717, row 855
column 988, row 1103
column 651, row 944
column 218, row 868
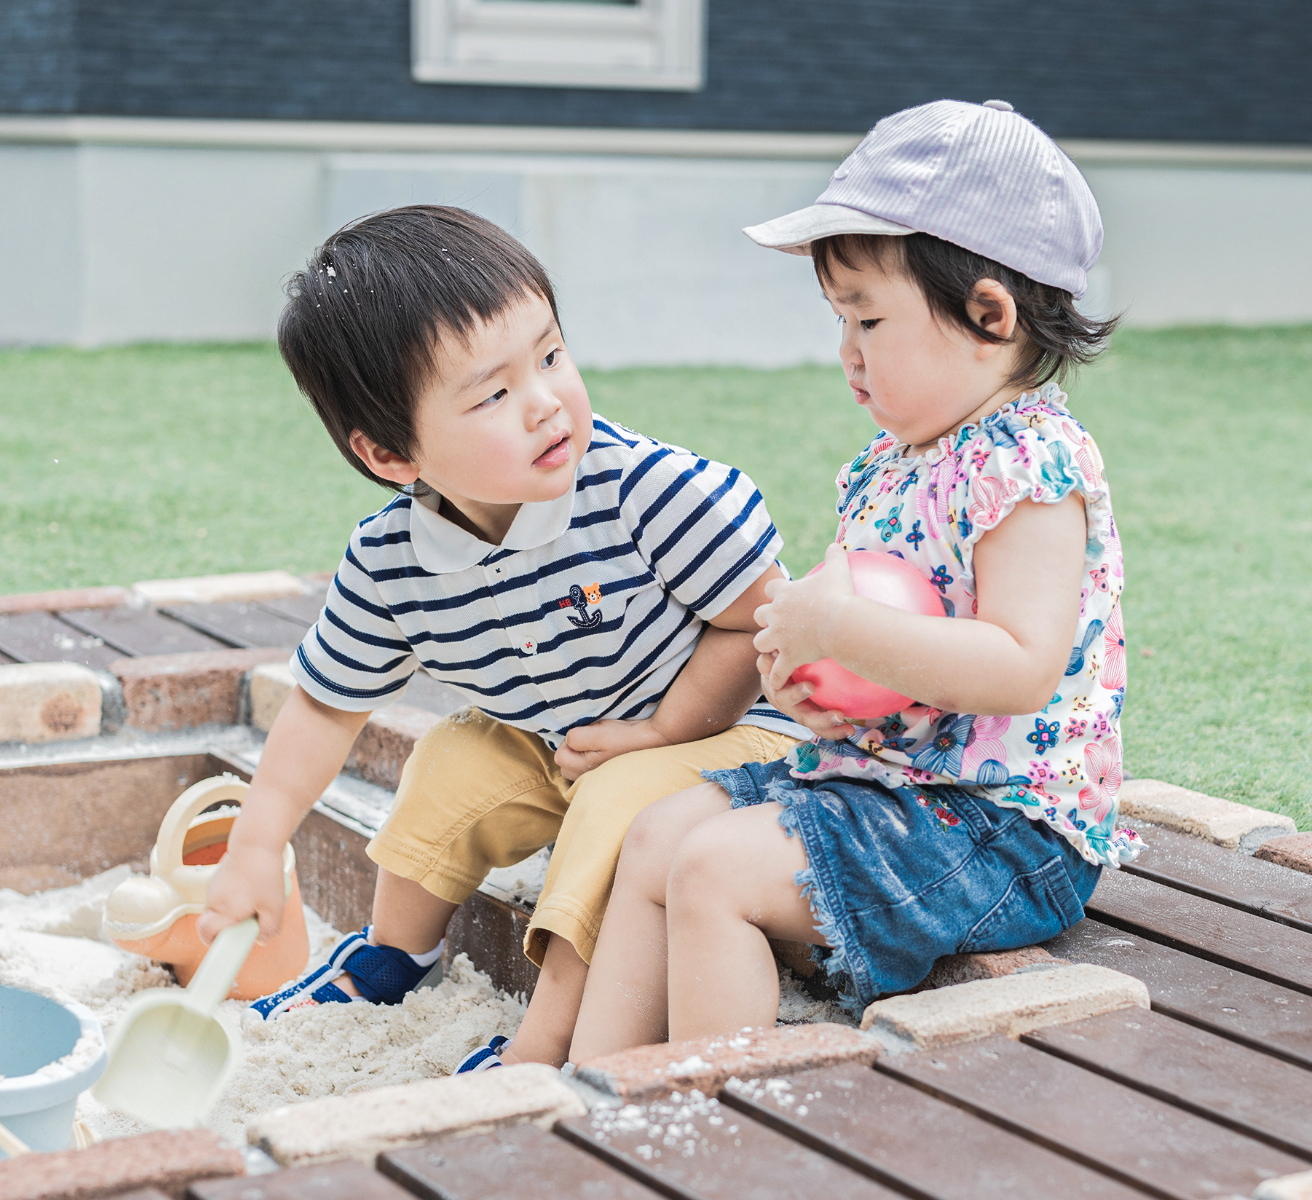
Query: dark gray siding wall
column 1191, row 70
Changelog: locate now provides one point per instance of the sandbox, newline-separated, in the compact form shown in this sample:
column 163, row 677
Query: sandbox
column 82, row 817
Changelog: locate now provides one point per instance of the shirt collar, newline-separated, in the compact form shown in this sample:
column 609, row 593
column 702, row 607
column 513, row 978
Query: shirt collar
column 442, row 547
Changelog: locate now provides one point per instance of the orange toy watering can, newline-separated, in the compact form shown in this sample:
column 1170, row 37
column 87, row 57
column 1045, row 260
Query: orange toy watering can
column 155, row 915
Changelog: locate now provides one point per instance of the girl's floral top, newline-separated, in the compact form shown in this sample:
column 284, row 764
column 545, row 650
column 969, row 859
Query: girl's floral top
column 1061, row 765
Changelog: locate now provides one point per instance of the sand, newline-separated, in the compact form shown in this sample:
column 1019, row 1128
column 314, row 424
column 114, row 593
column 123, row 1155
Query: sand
column 53, row 943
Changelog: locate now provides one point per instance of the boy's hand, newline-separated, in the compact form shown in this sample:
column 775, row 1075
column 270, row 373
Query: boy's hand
column 797, row 623
column 249, row 882
column 588, row 746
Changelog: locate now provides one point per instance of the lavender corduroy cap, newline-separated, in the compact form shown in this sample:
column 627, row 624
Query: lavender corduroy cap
column 978, row 175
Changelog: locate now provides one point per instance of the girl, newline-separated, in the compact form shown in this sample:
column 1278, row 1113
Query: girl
column 951, row 244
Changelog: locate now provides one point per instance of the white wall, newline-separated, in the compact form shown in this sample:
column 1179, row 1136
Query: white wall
column 104, row 242
column 1197, row 245
column 648, row 254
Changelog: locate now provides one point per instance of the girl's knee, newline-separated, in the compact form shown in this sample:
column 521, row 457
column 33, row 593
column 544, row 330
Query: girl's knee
column 657, row 831
column 705, row 860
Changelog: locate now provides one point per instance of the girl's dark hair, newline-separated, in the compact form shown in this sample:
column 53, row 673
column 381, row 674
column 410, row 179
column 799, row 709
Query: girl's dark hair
column 365, row 320
column 1057, row 337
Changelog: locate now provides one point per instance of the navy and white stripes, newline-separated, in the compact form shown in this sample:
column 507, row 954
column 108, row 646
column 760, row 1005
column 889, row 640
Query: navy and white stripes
column 588, row 608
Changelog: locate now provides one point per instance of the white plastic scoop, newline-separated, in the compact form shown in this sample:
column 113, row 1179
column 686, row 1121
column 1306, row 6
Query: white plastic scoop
column 174, row 1050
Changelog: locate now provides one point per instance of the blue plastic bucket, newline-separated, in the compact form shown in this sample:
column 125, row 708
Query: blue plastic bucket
column 34, row 1033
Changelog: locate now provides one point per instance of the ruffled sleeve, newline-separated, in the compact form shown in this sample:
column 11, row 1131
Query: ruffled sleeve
column 1036, row 452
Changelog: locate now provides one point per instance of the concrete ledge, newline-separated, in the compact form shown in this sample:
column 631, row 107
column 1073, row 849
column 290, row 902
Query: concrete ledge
column 48, row 702
column 92, row 597
column 650, row 1072
column 269, row 685
column 1010, row 1006
column 365, row 1124
column 385, row 743
column 1293, row 850
column 215, row 589
column 1287, row 1187
column 167, row 1160
column 1234, row 826
column 181, row 691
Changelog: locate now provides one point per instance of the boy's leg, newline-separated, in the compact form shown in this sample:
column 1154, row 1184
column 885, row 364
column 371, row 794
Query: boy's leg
column 603, row 803
column 625, row 1002
column 544, row 1034
column 438, row 842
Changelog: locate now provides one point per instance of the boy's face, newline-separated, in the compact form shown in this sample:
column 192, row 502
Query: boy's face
column 917, row 377
column 506, row 420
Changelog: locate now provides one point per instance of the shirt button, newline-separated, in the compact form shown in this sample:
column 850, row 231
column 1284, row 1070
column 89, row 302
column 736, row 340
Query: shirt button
column 529, row 647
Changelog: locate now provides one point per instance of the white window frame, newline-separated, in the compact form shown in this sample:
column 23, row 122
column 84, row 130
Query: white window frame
column 651, row 44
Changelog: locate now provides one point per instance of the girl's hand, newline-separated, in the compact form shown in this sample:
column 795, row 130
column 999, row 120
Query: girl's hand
column 793, row 700
column 797, row 623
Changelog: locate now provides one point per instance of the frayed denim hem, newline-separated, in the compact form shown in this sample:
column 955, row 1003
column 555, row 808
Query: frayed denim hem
column 833, row 957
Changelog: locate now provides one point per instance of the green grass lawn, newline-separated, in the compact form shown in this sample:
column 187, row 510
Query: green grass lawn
column 154, row 461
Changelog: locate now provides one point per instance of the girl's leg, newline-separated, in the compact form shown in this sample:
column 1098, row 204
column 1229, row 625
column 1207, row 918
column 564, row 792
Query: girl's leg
column 731, row 884
column 624, row 1002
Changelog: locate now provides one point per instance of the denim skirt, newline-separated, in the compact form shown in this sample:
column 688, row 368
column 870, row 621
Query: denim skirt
column 898, row 877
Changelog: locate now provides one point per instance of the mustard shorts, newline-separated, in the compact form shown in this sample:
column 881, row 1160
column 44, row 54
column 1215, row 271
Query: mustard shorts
column 476, row 794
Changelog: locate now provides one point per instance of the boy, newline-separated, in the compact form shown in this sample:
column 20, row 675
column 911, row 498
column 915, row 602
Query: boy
column 554, row 567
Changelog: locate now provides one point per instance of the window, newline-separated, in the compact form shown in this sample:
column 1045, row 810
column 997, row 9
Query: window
column 560, row 43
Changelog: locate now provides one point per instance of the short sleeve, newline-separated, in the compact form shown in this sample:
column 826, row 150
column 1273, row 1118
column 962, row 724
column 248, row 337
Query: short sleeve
column 355, row 657
column 1042, row 455
column 702, row 526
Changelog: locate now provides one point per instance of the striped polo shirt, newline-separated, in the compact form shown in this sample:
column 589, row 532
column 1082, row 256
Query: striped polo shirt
column 588, row 608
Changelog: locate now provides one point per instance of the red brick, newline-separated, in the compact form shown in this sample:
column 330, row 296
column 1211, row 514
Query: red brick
column 647, row 1073
column 167, row 1160
column 385, row 743
column 1293, row 850
column 963, row 968
column 181, row 691
column 92, row 597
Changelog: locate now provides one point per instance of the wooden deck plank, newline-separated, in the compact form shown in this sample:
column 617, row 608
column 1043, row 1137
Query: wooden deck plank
column 521, row 1163
column 1213, row 931
column 878, row 1125
column 1145, row 1141
column 305, row 609
column 43, row 637
column 1231, row 1003
column 701, row 1148
column 241, row 624
column 140, row 631
column 333, row 1181
column 1251, row 1092
column 1193, row 865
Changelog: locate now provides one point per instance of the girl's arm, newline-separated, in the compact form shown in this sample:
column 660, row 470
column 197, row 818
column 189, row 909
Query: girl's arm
column 1028, row 575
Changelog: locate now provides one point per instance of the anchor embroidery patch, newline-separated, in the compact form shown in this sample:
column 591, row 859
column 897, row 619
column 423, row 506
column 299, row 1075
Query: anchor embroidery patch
column 578, row 599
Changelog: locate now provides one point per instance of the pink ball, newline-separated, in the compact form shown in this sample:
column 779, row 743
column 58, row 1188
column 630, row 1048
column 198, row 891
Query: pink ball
column 892, row 581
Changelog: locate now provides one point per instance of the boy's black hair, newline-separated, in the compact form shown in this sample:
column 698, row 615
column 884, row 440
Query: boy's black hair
column 365, row 319
column 1057, row 335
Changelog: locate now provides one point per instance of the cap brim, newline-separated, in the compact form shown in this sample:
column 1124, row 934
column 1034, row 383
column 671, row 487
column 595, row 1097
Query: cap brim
column 794, row 233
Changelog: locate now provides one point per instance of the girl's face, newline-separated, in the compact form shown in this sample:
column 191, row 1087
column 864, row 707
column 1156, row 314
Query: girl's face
column 918, row 378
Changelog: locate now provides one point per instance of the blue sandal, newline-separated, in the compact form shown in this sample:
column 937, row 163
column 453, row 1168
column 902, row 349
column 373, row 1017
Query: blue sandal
column 382, row 974
column 484, row 1058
